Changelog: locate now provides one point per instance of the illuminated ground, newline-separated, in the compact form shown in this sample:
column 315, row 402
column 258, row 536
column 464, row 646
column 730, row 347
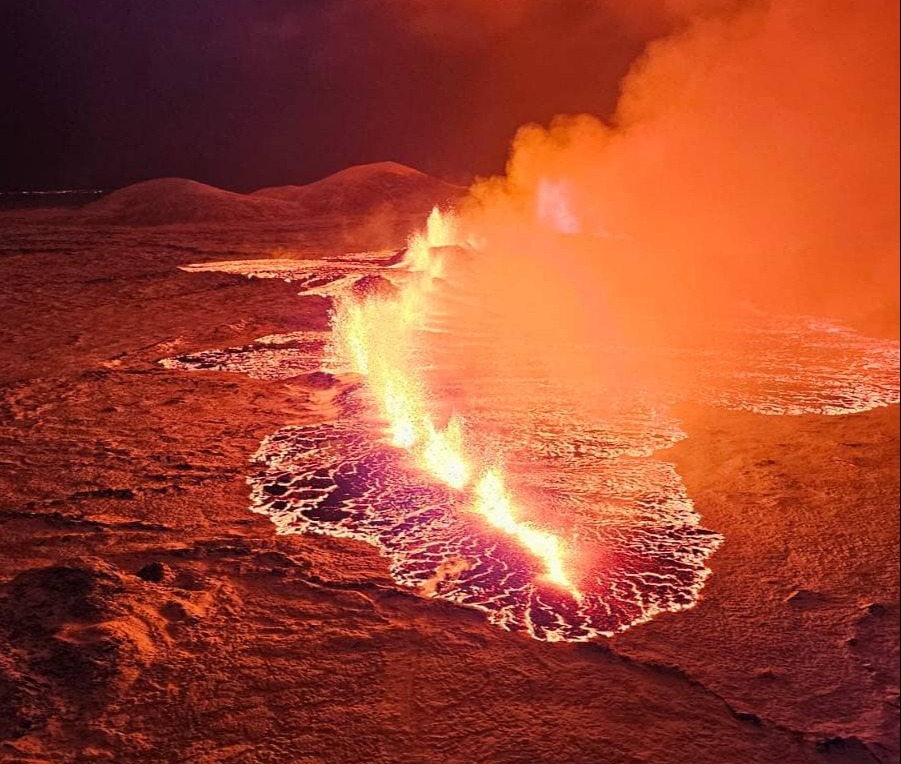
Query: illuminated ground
column 594, row 475
column 243, row 645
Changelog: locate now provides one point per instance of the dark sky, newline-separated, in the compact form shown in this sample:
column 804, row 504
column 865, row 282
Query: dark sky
column 243, row 94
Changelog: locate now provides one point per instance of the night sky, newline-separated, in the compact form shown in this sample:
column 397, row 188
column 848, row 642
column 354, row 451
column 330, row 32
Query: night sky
column 241, row 94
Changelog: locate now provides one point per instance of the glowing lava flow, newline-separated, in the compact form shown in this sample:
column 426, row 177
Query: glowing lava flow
column 374, row 336
column 441, row 231
column 494, row 503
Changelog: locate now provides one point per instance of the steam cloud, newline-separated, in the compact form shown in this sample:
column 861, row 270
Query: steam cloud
column 753, row 156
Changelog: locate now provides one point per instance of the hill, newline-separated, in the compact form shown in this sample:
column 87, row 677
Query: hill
column 173, row 201
column 356, row 191
column 365, row 189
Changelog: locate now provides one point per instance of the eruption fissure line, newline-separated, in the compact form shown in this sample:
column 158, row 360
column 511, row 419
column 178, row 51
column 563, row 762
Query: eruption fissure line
column 373, row 335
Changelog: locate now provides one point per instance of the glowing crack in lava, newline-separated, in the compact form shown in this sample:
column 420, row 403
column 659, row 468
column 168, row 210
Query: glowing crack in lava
column 553, row 521
column 375, row 336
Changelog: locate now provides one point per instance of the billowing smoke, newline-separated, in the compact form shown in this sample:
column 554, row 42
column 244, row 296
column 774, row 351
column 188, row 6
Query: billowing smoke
column 752, row 160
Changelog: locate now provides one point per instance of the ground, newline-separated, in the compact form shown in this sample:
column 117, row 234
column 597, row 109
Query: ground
column 147, row 616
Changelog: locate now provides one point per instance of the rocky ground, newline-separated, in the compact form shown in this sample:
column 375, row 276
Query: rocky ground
column 147, row 616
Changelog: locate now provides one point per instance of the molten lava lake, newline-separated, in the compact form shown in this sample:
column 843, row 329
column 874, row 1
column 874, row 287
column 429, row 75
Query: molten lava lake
column 488, row 483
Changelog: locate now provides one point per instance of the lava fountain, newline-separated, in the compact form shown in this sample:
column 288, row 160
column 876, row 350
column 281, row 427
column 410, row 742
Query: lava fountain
column 376, row 336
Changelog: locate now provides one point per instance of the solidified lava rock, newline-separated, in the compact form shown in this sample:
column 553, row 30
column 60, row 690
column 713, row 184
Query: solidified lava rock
column 122, row 494
column 805, row 598
column 176, row 612
column 321, row 380
column 373, row 285
column 831, row 744
column 849, row 745
column 69, row 634
column 155, row 572
column 42, row 600
column 19, row 711
column 84, row 664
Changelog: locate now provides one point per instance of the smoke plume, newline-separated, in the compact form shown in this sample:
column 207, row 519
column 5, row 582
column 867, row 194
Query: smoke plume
column 752, row 159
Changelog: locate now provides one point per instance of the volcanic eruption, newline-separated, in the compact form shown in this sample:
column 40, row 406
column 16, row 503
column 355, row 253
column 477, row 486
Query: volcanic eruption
column 589, row 456
column 511, row 377
column 444, row 411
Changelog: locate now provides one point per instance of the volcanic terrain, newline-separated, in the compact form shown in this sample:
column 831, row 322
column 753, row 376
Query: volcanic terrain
column 147, row 615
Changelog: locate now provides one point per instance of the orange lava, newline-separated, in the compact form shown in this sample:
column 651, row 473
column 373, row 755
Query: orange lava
column 374, row 337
